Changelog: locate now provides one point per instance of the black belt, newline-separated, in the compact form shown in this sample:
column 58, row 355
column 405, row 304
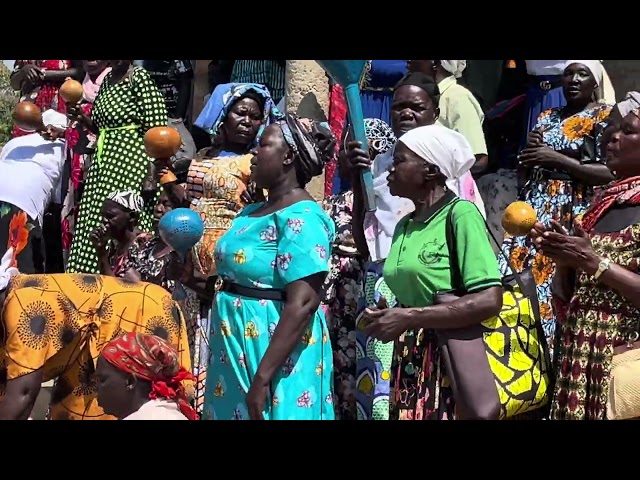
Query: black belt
column 273, row 294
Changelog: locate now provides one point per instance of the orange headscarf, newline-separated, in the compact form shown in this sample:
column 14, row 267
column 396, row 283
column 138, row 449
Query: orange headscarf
column 151, row 358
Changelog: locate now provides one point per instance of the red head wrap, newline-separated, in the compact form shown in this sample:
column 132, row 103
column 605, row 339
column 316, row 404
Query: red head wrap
column 153, row 359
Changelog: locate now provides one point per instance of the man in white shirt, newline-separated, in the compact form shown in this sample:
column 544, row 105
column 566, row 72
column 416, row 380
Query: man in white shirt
column 31, row 170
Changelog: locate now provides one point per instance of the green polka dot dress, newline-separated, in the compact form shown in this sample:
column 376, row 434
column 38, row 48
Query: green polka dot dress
column 123, row 112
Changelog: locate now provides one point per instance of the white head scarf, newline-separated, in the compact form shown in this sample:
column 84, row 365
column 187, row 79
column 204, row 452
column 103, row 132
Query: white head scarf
column 443, row 147
column 597, row 70
column 455, row 67
column 56, row 119
column 631, row 102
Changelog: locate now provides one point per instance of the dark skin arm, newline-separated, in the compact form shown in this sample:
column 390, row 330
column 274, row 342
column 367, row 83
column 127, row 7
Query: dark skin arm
column 186, row 273
column 358, row 159
column 177, row 196
column 76, row 114
column 303, row 299
column 26, row 77
column 99, row 240
column 20, row 396
column 388, row 324
column 59, row 76
column 564, row 280
column 575, row 251
column 538, row 154
column 481, row 165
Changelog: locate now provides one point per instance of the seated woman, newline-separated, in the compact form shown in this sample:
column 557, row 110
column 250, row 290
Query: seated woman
column 134, row 255
column 139, row 377
column 55, row 326
column 562, row 163
column 271, row 353
column 596, row 288
column 426, row 163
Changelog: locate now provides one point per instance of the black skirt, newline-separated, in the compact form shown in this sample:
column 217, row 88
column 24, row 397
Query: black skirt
column 24, row 234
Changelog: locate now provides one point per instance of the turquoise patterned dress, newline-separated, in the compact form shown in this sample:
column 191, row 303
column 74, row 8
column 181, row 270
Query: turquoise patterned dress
column 270, row 252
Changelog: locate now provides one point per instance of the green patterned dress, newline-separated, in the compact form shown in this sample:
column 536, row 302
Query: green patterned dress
column 123, row 112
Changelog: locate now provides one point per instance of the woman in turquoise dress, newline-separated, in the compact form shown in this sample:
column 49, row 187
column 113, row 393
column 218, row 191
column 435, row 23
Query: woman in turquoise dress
column 271, row 357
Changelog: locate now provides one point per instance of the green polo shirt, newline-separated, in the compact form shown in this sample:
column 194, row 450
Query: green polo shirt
column 418, row 264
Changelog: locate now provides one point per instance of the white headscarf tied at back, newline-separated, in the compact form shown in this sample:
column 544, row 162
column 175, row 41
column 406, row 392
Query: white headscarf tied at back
column 597, row 70
column 443, row 147
column 455, row 67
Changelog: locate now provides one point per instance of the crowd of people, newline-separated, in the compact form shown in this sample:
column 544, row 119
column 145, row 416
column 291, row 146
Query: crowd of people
column 313, row 309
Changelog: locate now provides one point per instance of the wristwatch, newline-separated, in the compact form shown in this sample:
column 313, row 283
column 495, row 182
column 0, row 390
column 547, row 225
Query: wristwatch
column 603, row 266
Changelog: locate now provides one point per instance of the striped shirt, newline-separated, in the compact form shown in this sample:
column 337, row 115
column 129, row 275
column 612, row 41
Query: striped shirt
column 269, row 73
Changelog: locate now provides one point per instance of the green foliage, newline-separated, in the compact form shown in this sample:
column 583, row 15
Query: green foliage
column 8, row 100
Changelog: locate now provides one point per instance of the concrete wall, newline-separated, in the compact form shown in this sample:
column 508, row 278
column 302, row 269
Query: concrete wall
column 624, row 74
column 307, row 95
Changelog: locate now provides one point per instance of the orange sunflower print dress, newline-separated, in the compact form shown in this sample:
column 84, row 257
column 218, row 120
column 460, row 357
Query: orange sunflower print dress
column 61, row 322
column 556, row 195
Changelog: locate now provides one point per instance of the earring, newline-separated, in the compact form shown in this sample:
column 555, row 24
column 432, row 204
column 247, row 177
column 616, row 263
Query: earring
column 129, row 387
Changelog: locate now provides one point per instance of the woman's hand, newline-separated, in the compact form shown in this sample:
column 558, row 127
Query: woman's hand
column 99, row 240
column 32, row 74
column 357, row 158
column 386, row 324
column 540, row 155
column 535, row 139
column 256, row 398
column 574, row 251
column 75, row 113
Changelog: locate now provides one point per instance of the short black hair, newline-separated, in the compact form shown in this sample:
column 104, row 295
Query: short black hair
column 425, row 82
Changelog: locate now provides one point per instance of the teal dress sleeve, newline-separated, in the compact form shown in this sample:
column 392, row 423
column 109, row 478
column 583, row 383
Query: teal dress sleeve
column 304, row 243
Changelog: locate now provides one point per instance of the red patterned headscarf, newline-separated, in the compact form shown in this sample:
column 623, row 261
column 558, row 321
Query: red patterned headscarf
column 153, row 359
column 621, row 192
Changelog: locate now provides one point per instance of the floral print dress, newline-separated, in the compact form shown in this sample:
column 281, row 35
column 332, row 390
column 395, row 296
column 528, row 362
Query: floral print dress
column 269, row 252
column 592, row 324
column 554, row 197
column 343, row 287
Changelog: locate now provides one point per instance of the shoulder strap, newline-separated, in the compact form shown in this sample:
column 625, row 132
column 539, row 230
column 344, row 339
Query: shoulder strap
column 454, row 266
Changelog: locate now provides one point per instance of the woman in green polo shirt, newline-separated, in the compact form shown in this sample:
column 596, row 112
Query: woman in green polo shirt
column 427, row 164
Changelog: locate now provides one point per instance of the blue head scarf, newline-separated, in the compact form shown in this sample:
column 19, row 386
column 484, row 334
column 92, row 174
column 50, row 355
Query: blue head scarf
column 224, row 96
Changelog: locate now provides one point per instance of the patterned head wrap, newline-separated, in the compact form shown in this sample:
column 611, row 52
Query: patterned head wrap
column 381, row 137
column 151, row 358
column 225, row 96
column 127, row 199
column 312, row 142
column 630, row 103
